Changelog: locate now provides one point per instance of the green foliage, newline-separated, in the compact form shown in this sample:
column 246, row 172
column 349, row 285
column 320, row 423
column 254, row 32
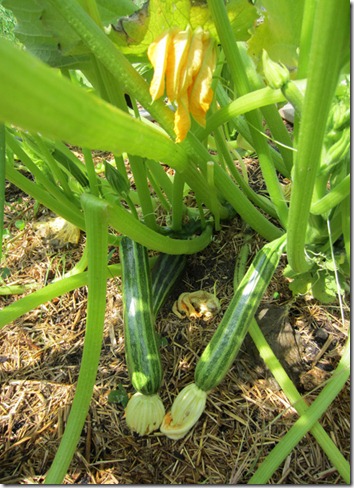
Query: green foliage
column 67, row 88
column 7, row 24
column 46, row 34
column 321, row 280
column 278, row 32
column 160, row 15
column 20, row 224
column 119, row 395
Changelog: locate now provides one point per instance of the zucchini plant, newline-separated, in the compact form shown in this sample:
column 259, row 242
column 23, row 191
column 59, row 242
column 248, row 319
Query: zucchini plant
column 223, row 347
column 69, row 85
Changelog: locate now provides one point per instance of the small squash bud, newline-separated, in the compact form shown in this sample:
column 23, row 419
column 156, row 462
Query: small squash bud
column 276, row 75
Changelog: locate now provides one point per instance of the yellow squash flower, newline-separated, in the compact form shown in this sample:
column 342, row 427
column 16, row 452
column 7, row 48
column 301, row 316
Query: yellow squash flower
column 184, row 62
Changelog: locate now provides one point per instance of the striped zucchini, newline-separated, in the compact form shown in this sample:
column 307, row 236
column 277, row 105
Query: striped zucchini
column 241, row 264
column 221, row 351
column 164, row 274
column 141, row 345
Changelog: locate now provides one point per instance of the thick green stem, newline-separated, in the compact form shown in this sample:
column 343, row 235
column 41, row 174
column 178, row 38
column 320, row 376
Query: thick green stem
column 243, row 206
column 330, row 35
column 333, row 198
column 160, row 177
column 57, row 172
column 306, row 36
column 177, row 201
column 65, row 199
column 241, row 125
column 74, row 115
column 227, row 188
column 47, row 293
column 242, row 105
column 97, row 232
column 196, row 177
column 114, row 61
column 58, row 206
column 91, row 173
column 254, row 197
column 239, row 76
column 2, row 182
column 125, row 223
column 295, row 399
column 92, row 9
column 138, row 168
column 160, row 196
column 270, row 112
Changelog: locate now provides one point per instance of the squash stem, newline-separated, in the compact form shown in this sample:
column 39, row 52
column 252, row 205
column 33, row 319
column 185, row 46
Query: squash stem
column 96, row 229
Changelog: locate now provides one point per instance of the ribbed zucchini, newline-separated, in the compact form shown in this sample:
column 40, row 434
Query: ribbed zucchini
column 141, row 345
column 221, row 351
column 164, row 274
column 241, row 263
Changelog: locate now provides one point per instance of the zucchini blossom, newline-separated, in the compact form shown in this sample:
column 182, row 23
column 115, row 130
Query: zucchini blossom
column 184, row 62
column 144, row 413
column 186, row 409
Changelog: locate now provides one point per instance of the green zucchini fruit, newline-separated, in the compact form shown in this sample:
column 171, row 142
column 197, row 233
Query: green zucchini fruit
column 166, row 270
column 241, row 264
column 141, row 344
column 223, row 347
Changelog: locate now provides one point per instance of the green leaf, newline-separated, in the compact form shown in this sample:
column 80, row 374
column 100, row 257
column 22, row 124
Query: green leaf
column 134, row 34
column 163, row 341
column 242, row 15
column 44, row 32
column 110, row 10
column 119, row 395
column 279, row 31
column 324, row 288
column 301, row 284
column 34, row 35
column 4, row 273
column 7, row 24
column 20, row 224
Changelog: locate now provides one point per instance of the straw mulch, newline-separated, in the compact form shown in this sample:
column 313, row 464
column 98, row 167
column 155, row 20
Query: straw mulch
column 245, row 416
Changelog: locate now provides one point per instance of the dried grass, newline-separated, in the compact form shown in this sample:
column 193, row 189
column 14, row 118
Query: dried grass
column 245, row 416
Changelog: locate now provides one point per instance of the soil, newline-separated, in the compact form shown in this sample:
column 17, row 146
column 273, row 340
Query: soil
column 245, row 416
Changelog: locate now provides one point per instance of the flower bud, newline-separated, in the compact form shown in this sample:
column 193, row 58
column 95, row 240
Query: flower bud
column 276, row 75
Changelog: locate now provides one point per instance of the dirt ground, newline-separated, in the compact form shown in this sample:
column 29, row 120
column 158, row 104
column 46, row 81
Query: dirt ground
column 245, row 416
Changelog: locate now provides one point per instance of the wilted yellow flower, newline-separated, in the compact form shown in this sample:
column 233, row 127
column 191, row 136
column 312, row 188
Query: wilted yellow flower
column 144, row 413
column 184, row 62
column 185, row 412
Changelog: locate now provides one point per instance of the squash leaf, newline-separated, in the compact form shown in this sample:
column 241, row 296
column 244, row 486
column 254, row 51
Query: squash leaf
column 278, row 32
column 131, row 24
column 43, row 31
column 135, row 33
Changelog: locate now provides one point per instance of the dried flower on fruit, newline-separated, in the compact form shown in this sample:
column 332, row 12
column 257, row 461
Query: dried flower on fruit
column 186, row 410
column 144, row 413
